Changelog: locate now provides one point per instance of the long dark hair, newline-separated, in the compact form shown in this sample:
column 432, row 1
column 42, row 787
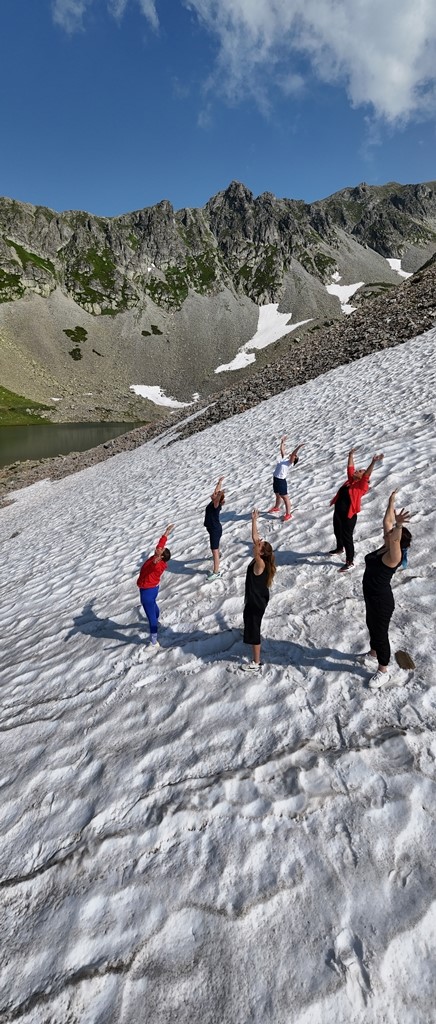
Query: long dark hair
column 270, row 562
column 406, row 538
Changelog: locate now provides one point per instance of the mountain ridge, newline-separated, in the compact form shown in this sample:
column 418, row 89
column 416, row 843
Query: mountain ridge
column 162, row 297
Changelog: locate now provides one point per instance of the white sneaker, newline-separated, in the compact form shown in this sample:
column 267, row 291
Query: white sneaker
column 378, row 680
column 154, row 640
column 213, row 576
column 251, row 666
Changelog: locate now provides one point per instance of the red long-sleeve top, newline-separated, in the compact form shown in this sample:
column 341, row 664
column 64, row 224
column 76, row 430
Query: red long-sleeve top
column 152, row 569
column 356, row 488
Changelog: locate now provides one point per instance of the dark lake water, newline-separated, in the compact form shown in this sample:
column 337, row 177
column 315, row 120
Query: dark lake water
column 46, row 440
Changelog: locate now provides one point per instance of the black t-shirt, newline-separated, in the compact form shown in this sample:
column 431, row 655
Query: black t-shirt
column 212, row 516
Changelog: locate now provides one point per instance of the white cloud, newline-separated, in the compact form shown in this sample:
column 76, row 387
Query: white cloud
column 384, row 53
column 69, row 13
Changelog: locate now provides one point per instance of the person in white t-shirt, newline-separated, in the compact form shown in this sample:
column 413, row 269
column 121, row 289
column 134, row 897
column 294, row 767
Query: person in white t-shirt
column 280, row 484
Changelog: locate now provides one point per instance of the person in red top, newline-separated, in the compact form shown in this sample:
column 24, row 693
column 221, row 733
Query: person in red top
column 149, row 579
column 347, row 503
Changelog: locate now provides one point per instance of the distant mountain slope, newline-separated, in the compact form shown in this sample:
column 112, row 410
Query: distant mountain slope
column 90, row 305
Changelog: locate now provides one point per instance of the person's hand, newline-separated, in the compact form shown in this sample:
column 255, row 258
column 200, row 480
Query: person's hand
column 283, row 438
column 378, row 458
column 402, row 517
column 255, row 514
column 392, row 497
column 168, row 529
column 351, row 452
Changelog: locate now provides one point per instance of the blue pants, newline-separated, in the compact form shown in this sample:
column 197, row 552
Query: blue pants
column 149, row 604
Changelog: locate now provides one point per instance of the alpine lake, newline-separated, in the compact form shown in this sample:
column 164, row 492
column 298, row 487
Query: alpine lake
column 45, row 441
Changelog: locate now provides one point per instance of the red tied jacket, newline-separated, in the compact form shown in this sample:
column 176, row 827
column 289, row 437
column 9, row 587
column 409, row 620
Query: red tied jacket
column 357, row 488
column 151, row 570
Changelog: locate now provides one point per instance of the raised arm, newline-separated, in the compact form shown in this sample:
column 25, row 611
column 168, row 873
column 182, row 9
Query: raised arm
column 283, row 446
column 293, row 457
column 375, row 458
column 257, row 543
column 350, row 463
column 216, row 494
column 393, row 523
column 161, row 544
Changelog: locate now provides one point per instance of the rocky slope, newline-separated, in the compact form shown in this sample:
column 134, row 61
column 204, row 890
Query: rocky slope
column 91, row 305
column 382, row 323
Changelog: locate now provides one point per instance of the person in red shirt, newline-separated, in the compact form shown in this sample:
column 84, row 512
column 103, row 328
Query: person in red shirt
column 149, row 579
column 347, row 503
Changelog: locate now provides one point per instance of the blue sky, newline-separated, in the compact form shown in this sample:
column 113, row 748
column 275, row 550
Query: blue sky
column 113, row 105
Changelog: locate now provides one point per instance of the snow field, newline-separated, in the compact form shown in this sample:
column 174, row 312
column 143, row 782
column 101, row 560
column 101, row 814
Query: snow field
column 181, row 839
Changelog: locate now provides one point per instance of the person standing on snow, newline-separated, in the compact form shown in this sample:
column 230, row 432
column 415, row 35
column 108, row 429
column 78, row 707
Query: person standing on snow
column 379, row 599
column 213, row 526
column 149, row 579
column 260, row 575
column 347, row 503
column 280, row 484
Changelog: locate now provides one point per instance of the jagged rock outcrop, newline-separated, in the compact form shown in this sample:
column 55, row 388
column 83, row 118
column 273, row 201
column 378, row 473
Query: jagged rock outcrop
column 163, row 296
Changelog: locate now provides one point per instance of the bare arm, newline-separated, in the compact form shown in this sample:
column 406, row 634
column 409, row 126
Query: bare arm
column 283, row 446
column 393, row 523
column 389, row 516
column 293, row 457
column 216, row 495
column 350, row 463
column 375, row 458
column 257, row 543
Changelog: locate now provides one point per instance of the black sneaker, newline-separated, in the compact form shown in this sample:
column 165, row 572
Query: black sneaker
column 346, row 567
column 336, row 551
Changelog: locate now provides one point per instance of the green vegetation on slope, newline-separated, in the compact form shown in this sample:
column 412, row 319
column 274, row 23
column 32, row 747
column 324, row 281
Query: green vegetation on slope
column 16, row 410
column 30, row 257
column 10, row 286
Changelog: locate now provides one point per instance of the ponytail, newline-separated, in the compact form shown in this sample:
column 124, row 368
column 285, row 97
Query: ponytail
column 270, row 562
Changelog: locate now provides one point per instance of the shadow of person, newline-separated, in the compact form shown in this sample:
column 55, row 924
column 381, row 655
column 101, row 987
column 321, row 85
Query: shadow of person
column 90, row 623
column 182, row 568
column 234, row 517
column 206, row 645
column 328, row 659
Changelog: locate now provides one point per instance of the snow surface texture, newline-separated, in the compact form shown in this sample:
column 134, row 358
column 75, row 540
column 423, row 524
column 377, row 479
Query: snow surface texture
column 181, row 841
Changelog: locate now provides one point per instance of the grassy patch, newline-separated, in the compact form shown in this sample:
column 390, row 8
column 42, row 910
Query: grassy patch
column 30, row 257
column 75, row 353
column 198, row 272
column 15, row 410
column 323, row 262
column 155, row 329
column 11, row 286
column 77, row 334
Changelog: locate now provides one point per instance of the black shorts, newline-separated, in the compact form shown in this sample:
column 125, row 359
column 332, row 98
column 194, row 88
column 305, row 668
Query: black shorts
column 280, row 486
column 215, row 537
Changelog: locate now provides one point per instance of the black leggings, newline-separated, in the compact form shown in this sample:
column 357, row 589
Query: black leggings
column 378, row 616
column 343, row 528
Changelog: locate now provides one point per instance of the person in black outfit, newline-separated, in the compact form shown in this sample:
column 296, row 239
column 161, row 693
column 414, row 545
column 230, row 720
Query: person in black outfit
column 379, row 599
column 347, row 504
column 213, row 526
column 260, row 574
